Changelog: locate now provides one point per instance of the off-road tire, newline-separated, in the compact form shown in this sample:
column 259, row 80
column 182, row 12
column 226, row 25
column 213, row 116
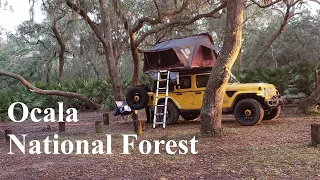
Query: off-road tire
column 137, row 93
column 173, row 113
column 189, row 116
column 254, row 107
column 273, row 114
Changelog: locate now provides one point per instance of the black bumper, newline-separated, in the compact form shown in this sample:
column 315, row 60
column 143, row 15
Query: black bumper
column 273, row 102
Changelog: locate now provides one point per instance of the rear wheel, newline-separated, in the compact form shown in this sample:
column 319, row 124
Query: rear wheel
column 274, row 113
column 248, row 112
column 173, row 113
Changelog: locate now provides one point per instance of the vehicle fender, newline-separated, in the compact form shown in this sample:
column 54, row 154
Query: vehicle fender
column 243, row 95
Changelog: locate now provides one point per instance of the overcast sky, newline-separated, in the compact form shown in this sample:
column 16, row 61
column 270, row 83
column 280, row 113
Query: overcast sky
column 10, row 20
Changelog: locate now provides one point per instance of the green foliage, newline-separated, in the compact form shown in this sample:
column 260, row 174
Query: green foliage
column 291, row 80
column 98, row 90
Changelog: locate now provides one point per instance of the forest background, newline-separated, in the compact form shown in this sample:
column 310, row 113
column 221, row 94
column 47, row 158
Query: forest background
column 64, row 52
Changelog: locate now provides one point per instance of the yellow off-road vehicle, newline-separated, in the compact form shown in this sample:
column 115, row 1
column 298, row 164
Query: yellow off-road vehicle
column 250, row 103
column 189, row 61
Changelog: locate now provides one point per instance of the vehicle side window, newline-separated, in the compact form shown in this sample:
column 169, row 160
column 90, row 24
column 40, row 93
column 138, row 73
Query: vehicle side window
column 185, row 82
column 202, row 80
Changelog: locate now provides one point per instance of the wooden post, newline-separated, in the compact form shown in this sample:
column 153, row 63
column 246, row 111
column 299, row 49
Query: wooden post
column 6, row 134
column 140, row 128
column 137, row 123
column 98, row 125
column 106, row 119
column 315, row 134
column 62, row 126
column 316, row 80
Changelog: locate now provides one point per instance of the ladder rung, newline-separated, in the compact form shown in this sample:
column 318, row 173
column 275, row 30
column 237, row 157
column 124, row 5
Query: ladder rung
column 160, row 105
column 161, row 80
column 162, row 71
column 161, row 113
column 162, row 88
column 158, row 123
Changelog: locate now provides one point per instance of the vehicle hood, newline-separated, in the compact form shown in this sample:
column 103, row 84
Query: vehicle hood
column 263, row 89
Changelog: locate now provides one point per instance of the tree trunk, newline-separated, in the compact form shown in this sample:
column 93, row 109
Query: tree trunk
column 136, row 59
column 62, row 49
column 106, row 39
column 108, row 51
column 211, row 112
column 308, row 104
column 31, row 88
column 49, row 67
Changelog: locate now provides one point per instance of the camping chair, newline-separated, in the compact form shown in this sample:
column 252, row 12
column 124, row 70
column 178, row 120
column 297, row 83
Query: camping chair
column 122, row 109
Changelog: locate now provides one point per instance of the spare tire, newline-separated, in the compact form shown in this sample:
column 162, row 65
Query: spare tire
column 137, row 98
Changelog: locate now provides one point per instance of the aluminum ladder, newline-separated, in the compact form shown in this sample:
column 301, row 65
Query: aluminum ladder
column 165, row 105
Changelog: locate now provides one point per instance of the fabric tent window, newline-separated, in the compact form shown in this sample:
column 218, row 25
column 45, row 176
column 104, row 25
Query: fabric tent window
column 161, row 60
column 207, row 53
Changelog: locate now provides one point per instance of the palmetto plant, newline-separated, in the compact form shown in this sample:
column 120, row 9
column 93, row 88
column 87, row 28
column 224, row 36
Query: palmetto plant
column 291, row 80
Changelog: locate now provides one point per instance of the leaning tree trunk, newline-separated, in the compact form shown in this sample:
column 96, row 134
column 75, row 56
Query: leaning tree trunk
column 90, row 104
column 274, row 36
column 211, row 112
column 308, row 104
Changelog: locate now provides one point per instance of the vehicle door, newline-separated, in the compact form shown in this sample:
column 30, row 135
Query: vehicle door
column 201, row 83
column 184, row 93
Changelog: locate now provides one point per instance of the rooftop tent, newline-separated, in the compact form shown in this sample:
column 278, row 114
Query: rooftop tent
column 195, row 51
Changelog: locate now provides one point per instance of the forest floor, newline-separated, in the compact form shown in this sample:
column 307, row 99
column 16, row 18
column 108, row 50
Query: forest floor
column 277, row 149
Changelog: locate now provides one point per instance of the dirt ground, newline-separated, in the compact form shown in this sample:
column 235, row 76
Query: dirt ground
column 277, row 149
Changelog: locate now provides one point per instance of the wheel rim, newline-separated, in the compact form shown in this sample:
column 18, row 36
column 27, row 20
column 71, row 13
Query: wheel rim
column 136, row 99
column 247, row 112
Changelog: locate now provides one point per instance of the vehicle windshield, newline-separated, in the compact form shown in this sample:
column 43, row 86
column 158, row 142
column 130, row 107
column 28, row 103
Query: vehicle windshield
column 233, row 79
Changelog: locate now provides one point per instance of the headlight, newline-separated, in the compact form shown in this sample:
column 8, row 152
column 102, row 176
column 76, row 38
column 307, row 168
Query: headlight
column 265, row 91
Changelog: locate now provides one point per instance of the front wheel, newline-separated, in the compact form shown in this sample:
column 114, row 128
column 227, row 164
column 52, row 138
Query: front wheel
column 189, row 116
column 274, row 113
column 248, row 112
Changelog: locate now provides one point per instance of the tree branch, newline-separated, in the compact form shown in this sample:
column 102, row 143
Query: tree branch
column 316, row 1
column 179, row 22
column 266, row 5
column 31, row 88
column 178, row 11
column 158, row 10
column 85, row 16
column 277, row 33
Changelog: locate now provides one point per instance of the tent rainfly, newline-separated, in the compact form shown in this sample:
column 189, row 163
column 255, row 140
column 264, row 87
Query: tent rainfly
column 191, row 52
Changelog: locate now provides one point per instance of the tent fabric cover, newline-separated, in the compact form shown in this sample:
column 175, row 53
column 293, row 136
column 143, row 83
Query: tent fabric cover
column 195, row 51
